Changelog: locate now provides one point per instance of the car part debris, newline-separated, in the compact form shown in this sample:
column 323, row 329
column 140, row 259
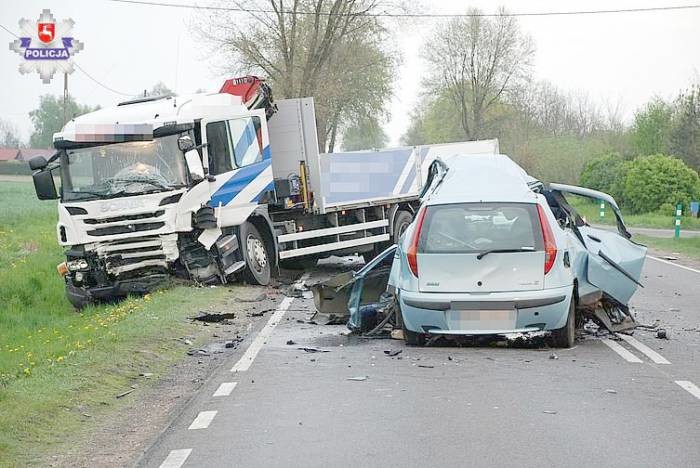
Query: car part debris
column 549, row 412
column 610, row 390
column 553, row 356
column 123, row 394
column 426, row 366
column 614, row 316
column 661, row 334
column 397, row 334
column 290, row 342
column 394, row 352
column 361, row 378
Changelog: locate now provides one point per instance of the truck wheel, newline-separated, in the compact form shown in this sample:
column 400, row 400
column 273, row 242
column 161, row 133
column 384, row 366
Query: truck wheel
column 401, row 221
column 256, row 256
column 564, row 337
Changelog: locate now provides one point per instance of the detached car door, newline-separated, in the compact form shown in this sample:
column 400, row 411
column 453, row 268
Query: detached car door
column 614, row 261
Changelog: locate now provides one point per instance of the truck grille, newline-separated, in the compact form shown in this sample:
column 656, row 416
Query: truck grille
column 117, row 219
column 125, row 229
column 140, row 252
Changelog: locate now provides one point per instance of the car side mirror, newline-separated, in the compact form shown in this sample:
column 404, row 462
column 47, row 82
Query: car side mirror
column 185, row 143
column 37, row 163
column 44, row 185
column 194, row 164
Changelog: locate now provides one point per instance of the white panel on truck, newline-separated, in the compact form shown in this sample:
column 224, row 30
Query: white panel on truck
column 352, row 179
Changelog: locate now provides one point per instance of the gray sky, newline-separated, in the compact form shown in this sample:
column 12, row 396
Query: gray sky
column 617, row 59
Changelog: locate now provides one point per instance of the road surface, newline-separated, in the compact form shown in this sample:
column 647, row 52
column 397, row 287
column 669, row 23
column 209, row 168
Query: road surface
column 602, row 403
column 652, row 232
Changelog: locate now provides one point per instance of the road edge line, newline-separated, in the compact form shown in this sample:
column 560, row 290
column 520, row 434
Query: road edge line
column 176, row 458
column 673, row 264
column 689, row 387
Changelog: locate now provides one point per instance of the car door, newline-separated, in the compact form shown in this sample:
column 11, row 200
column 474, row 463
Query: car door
column 614, row 261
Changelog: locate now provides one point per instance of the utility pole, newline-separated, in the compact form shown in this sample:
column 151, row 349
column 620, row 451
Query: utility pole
column 65, row 95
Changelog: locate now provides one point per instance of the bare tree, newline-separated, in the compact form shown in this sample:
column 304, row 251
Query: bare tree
column 305, row 48
column 9, row 136
column 476, row 60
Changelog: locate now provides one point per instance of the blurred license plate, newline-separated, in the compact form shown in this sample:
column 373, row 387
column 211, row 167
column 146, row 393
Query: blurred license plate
column 481, row 319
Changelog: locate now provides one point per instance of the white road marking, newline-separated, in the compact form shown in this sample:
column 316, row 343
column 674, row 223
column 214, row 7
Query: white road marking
column 626, row 355
column 674, row 264
column 225, row 389
column 690, row 387
column 650, row 353
column 176, row 458
column 246, row 360
column 203, row 419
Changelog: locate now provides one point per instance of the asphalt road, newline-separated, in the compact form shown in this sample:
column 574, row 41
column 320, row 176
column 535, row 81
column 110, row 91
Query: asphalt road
column 652, row 232
column 451, row 407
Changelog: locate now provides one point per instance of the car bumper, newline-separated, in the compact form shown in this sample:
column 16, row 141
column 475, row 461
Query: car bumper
column 485, row 314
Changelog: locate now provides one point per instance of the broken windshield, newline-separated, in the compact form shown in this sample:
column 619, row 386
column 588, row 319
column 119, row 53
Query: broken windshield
column 123, row 169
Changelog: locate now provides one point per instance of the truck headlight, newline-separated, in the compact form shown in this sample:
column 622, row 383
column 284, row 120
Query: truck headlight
column 76, row 265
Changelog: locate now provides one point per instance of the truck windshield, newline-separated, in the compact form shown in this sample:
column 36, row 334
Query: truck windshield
column 123, row 169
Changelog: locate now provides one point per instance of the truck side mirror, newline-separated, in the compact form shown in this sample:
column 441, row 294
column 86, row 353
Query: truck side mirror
column 194, row 164
column 44, row 185
column 38, row 163
column 185, row 143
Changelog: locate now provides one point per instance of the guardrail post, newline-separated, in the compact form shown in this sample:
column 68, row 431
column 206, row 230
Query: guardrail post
column 679, row 212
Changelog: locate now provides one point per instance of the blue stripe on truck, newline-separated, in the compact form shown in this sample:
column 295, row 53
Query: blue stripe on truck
column 238, row 181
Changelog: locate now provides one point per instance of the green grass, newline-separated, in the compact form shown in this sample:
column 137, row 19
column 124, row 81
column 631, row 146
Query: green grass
column 54, row 361
column 591, row 211
column 688, row 246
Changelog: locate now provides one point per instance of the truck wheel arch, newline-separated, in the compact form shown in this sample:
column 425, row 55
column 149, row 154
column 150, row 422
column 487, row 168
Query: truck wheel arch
column 261, row 220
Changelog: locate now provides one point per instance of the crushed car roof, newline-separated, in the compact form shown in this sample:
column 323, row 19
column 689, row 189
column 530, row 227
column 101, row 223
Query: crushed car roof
column 483, row 178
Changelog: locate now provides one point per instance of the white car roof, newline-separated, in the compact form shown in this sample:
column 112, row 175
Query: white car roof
column 483, row 178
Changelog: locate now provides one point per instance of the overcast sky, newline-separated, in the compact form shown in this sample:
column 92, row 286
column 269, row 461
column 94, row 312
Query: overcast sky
column 617, row 59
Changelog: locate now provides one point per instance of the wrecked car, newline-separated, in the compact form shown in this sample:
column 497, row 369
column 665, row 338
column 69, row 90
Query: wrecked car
column 493, row 251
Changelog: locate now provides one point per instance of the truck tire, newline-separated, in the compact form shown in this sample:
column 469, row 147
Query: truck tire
column 564, row 337
column 402, row 220
column 256, row 256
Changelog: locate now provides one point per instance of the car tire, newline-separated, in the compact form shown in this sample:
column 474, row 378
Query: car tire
column 564, row 337
column 256, row 256
column 410, row 337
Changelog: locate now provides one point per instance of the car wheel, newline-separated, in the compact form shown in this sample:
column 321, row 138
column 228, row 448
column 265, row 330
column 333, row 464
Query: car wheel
column 565, row 336
column 410, row 337
column 256, row 255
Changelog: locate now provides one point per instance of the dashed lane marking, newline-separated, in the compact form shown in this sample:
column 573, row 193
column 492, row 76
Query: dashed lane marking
column 176, row 458
column 650, row 353
column 673, row 264
column 203, row 419
column 225, row 389
column 690, row 387
column 247, row 359
column 626, row 355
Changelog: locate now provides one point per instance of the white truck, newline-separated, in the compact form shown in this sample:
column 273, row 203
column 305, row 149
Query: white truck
column 218, row 186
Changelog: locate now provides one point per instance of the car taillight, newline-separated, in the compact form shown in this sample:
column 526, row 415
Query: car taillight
column 412, row 253
column 550, row 246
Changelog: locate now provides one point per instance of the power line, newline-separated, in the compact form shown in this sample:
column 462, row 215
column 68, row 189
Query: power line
column 410, row 15
column 82, row 70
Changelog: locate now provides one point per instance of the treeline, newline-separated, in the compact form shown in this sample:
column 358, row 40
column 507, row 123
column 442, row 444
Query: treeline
column 480, row 86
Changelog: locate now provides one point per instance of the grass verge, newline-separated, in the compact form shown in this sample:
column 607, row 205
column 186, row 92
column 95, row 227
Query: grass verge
column 688, row 246
column 56, row 365
column 591, row 212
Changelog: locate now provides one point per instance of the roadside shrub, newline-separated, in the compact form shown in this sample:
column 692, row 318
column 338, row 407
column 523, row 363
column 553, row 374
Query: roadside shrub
column 14, row 168
column 606, row 173
column 653, row 181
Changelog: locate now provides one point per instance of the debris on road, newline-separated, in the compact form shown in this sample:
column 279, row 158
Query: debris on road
column 391, row 353
column 229, row 344
column 214, row 317
column 258, row 298
column 312, row 349
column 653, row 326
column 397, row 334
column 553, row 356
column 426, row 366
column 290, row 342
column 669, row 257
column 123, row 394
column 361, row 378
column 661, row 334
column 549, row 412
column 146, row 375
column 610, row 390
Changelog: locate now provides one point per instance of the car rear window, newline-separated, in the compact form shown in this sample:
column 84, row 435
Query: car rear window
column 476, row 227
